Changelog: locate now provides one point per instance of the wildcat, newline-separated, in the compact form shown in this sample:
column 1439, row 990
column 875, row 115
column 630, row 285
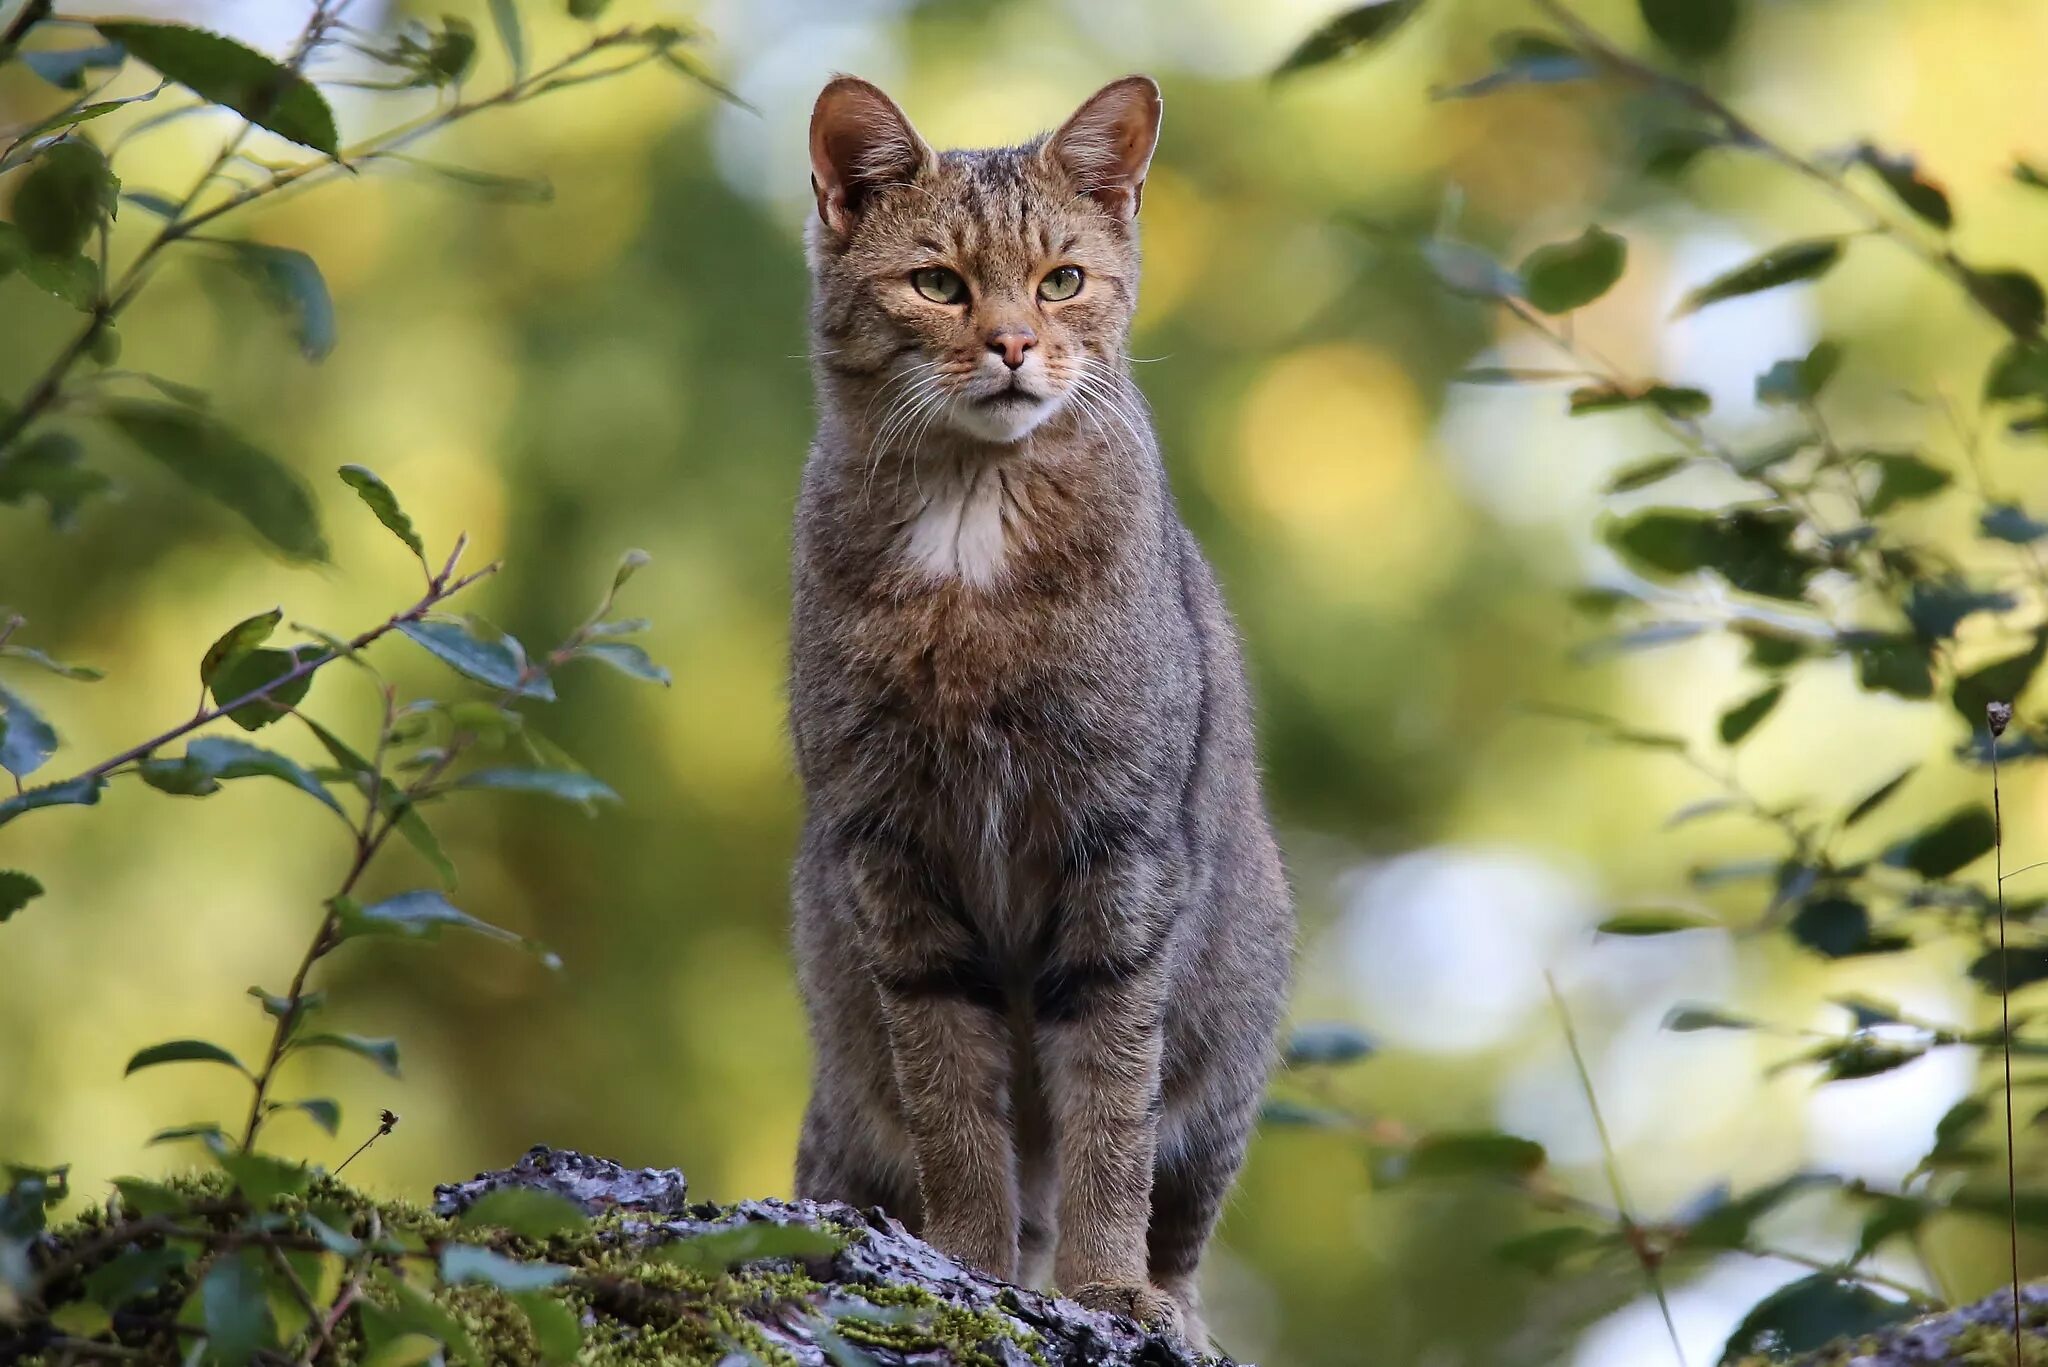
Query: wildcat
column 1041, row 925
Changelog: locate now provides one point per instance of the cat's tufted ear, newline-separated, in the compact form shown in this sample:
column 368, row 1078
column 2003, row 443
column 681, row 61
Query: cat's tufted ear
column 860, row 141
column 1106, row 146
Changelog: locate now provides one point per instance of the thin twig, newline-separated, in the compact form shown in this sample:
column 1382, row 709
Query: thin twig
column 1998, row 715
column 386, row 1123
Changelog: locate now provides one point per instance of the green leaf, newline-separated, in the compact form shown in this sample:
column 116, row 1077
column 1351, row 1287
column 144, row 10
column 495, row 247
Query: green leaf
column 1802, row 380
column 76, row 673
column 556, row 1330
column 251, row 670
column 1354, row 30
column 497, row 663
column 409, row 1349
column 505, row 15
column 1728, row 1224
column 26, row 740
column 1683, row 1020
column 79, row 792
column 139, row 1196
column 212, row 459
column 1570, row 275
column 377, row 494
column 236, row 1310
column 489, row 185
column 1750, row 548
column 1901, row 175
column 393, row 803
column 1793, row 262
column 1644, row 473
column 239, row 639
column 214, row 1136
column 588, row 9
column 67, row 192
column 1879, row 795
column 525, row 1211
column 566, row 784
column 73, row 279
column 1893, row 664
column 382, row 1052
column 1950, row 845
column 47, row 466
column 467, row 1263
column 422, row 915
column 291, row 283
column 1326, row 1045
column 2009, row 523
column 1738, row 721
column 17, row 890
column 1655, row 921
column 1691, row 28
column 207, row 761
column 1465, row 269
column 1808, row 1314
column 721, row 1249
column 1677, row 402
column 1526, row 58
column 1483, row 1152
column 321, row 1110
column 81, row 1319
column 2020, row 371
column 134, row 1274
column 223, row 71
column 66, row 67
column 2013, row 297
column 1902, row 478
column 262, row 1179
column 2000, row 681
column 625, row 657
column 183, row 1051
column 1543, row 1251
column 1835, row 927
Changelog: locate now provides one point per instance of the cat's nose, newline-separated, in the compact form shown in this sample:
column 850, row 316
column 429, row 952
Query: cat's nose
column 1011, row 344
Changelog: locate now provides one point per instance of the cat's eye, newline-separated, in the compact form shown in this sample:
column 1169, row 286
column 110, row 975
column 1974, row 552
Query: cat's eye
column 1062, row 282
column 939, row 285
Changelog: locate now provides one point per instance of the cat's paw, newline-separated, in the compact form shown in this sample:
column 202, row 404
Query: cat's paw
column 1143, row 1302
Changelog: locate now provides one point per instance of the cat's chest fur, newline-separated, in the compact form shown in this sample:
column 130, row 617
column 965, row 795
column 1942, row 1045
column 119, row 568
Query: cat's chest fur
column 964, row 528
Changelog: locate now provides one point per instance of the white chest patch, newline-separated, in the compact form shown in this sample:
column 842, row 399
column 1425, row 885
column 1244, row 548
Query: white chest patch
column 962, row 530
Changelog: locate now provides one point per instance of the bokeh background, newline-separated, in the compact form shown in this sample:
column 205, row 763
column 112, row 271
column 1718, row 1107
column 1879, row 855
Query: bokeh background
column 625, row 366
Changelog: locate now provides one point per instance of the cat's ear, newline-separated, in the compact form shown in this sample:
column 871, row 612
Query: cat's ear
column 860, row 141
column 1106, row 146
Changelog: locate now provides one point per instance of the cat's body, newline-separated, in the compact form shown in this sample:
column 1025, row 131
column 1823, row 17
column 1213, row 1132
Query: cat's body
column 1041, row 924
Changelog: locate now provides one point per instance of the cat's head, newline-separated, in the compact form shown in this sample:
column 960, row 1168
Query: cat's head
column 982, row 289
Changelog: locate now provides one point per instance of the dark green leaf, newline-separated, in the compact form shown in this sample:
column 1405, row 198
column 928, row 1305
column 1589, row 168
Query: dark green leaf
column 525, row 1211
column 1894, row 1216
column 73, row 279
column 588, row 9
column 183, row 1051
column 1655, row 921
column 1902, row 478
column 1893, row 664
column 66, row 67
column 77, row 792
column 377, row 494
column 1801, row 380
column 1294, row 1114
column 2020, row 371
column 1729, row 1223
column 1353, row 30
column 1951, row 844
column 17, row 890
column 30, row 1193
column 1326, row 1045
column 393, row 803
column 133, row 1275
column 46, row 466
column 1878, row 796
column 1901, row 175
column 1474, row 1152
column 1738, row 721
column 2013, row 967
column 1693, row 811
column 291, row 283
column 2009, row 523
column 64, row 196
column 1692, row 28
column 1836, row 927
column 2013, row 297
column 76, row 673
column 236, row 1309
column 382, row 1052
column 214, row 460
column 1465, row 269
column 26, row 740
column 467, row 1263
column 497, row 663
column 238, row 640
column 322, row 1111
column 2000, row 681
column 1750, row 548
column 1643, row 474
column 1526, row 58
column 269, row 669
column 1937, row 607
column 1570, row 275
column 566, row 784
column 627, row 658
column 453, row 51
column 1795, row 261
column 1686, row 1019
column 1543, row 1251
column 402, row 1309
column 142, row 1197
column 223, row 71
column 262, row 1178
column 422, row 915
column 726, row 1248
column 1809, row 1314
column 556, row 1330
column 505, row 14
column 1673, row 401
column 222, row 757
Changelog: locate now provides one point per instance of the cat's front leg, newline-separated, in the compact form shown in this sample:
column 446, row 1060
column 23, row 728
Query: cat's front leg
column 1098, row 1004
column 949, row 1043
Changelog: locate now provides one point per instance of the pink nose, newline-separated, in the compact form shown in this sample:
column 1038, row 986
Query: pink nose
column 1011, row 344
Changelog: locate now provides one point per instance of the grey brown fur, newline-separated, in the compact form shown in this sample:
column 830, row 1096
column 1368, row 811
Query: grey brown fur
column 1041, row 925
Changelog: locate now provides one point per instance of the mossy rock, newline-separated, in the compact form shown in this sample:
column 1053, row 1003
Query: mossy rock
column 641, row 1277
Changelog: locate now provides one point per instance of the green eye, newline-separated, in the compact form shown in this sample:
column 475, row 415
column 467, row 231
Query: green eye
column 1063, row 282
column 939, row 285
